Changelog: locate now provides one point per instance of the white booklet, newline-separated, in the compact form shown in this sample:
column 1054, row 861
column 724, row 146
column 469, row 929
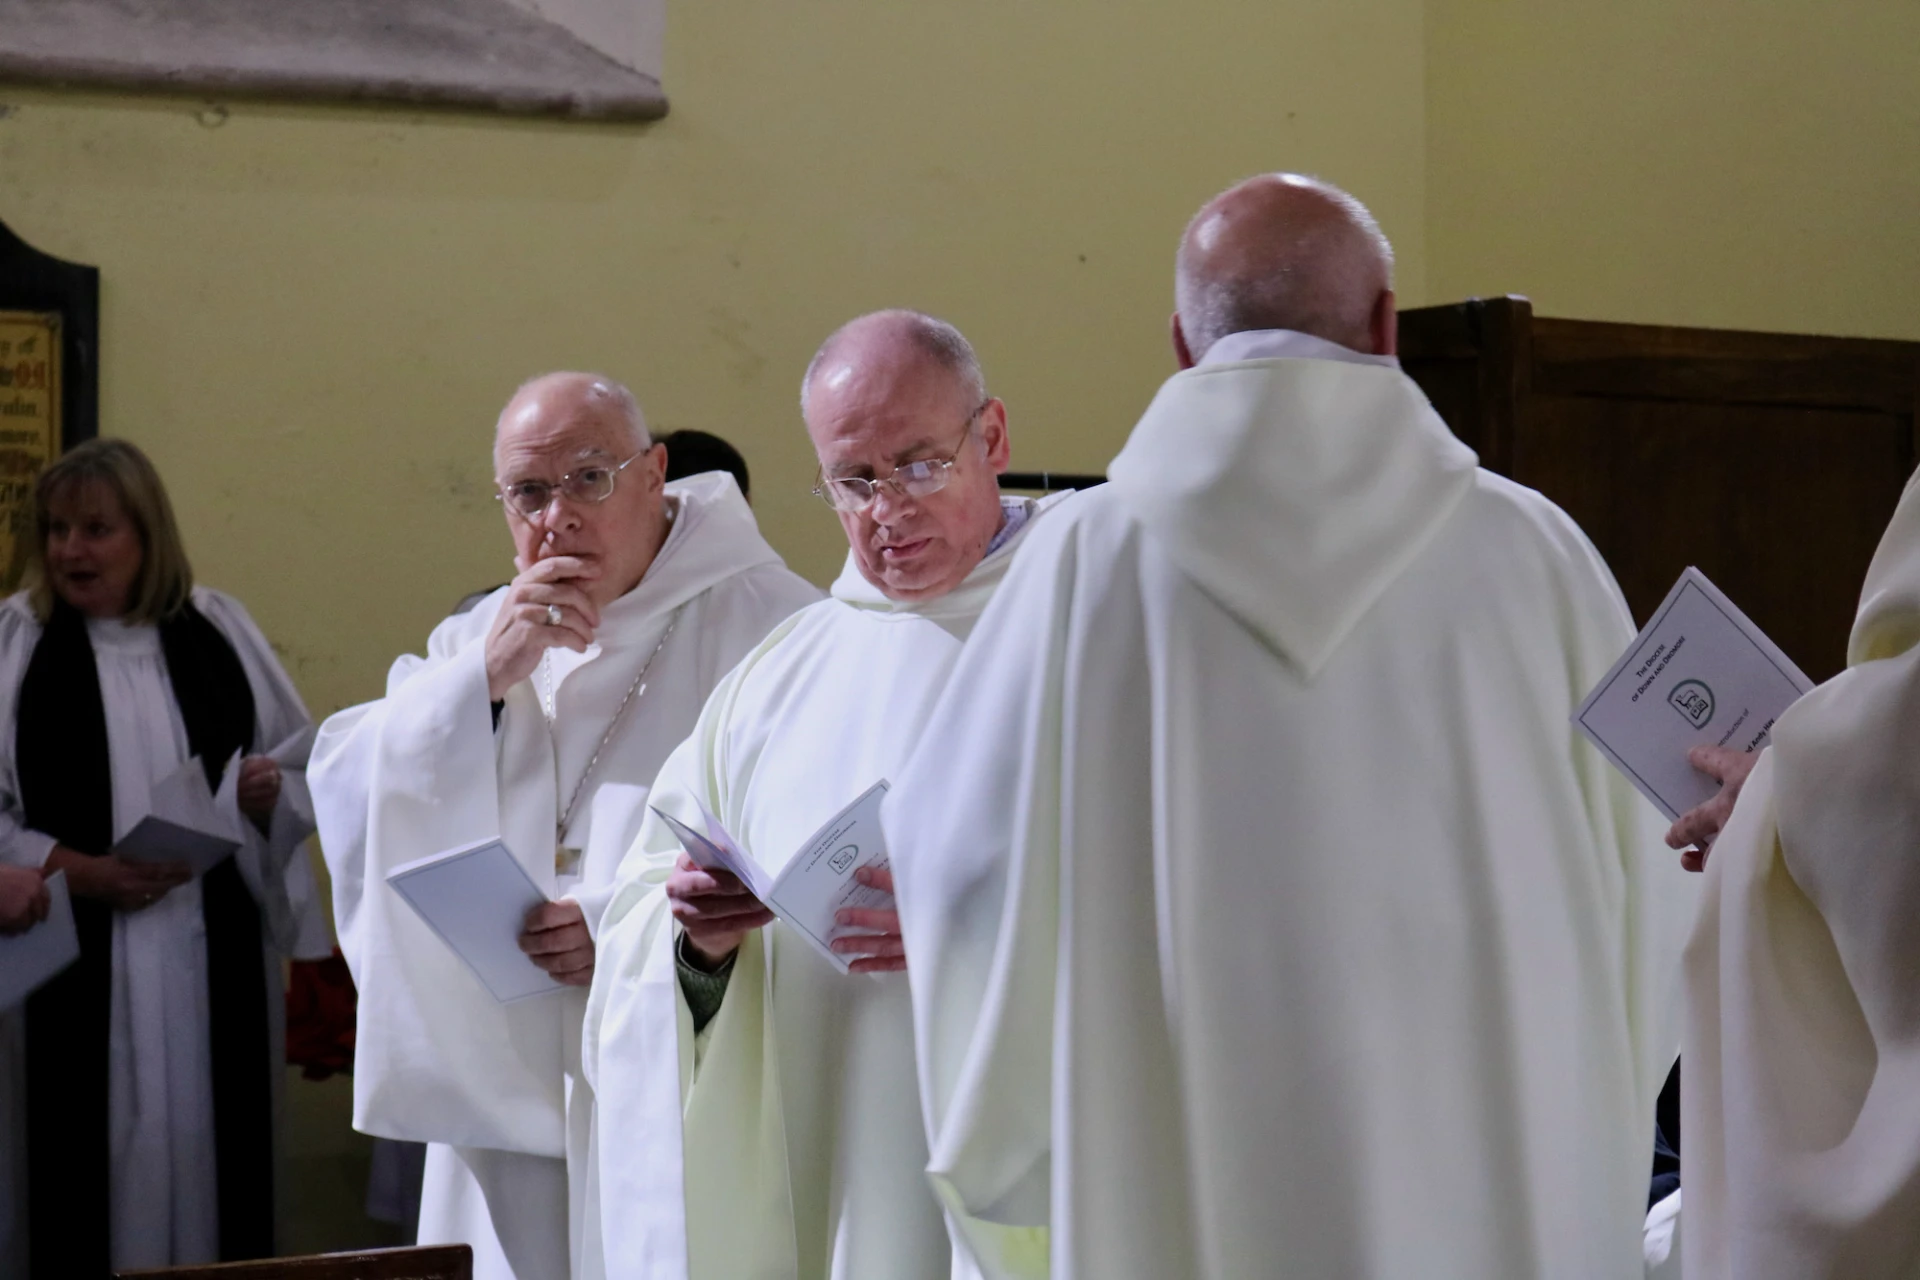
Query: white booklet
column 1699, row 673
column 476, row 898
column 817, row 881
column 29, row 959
column 187, row 822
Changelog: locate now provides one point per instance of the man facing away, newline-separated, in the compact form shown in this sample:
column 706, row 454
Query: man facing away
column 539, row 717
column 1264, row 913
column 757, row 1108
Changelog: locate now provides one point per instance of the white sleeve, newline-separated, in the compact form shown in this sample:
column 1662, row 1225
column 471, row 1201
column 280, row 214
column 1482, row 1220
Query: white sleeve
column 20, row 845
column 275, row 865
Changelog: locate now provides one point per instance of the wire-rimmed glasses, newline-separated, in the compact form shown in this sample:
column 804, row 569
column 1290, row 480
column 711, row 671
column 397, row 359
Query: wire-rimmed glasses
column 591, row 483
column 919, row 479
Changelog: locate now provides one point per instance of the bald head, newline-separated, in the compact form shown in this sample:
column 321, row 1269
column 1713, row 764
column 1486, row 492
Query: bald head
column 902, row 341
column 563, row 435
column 552, row 398
column 894, row 395
column 1282, row 251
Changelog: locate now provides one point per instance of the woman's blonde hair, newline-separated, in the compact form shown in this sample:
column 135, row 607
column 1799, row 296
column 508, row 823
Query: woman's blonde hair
column 165, row 579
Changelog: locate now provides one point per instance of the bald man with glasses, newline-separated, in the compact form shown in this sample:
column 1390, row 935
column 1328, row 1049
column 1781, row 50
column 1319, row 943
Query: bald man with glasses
column 758, row 1109
column 540, row 717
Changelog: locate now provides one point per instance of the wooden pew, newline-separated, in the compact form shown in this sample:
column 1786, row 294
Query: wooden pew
column 1773, row 461
column 434, row 1262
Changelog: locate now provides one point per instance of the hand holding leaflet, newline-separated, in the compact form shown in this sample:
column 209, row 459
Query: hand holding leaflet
column 186, row 822
column 817, row 881
column 1699, row 674
column 476, row 898
column 29, row 959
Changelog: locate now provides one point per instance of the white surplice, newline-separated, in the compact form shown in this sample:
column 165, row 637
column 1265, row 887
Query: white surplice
column 493, row 1087
column 783, row 1141
column 163, row 1206
column 1265, row 915
column 1801, row 1103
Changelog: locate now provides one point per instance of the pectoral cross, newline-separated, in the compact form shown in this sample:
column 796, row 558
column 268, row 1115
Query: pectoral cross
column 566, row 859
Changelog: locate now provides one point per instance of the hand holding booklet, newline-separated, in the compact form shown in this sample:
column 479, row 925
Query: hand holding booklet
column 476, row 898
column 187, row 821
column 1699, row 673
column 27, row 960
column 817, row 881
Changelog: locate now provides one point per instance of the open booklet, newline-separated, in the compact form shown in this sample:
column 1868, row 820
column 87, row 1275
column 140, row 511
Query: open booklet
column 476, row 898
column 817, row 881
column 1699, row 673
column 29, row 959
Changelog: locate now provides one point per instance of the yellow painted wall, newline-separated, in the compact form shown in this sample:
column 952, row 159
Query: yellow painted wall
column 311, row 316
column 1749, row 165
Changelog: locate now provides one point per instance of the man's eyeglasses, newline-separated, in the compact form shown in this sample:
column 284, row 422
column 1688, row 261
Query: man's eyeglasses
column 910, row 479
column 591, row 483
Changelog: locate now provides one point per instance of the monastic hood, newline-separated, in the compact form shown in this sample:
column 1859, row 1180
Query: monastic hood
column 714, row 537
column 960, row 608
column 1293, row 492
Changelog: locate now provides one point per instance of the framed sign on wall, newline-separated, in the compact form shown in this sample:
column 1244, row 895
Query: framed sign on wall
column 49, row 379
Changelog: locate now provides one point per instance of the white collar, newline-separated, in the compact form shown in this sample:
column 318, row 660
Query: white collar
column 1286, row 344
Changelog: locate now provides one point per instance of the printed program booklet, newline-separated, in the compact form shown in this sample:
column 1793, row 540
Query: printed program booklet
column 1700, row 673
column 817, row 881
column 27, row 960
column 476, row 897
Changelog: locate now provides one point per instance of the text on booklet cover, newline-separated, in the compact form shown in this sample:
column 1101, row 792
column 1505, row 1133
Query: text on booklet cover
column 1700, row 673
column 817, row 881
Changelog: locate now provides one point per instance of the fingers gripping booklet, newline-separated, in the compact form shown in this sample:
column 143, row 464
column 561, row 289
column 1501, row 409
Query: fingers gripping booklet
column 476, row 898
column 1699, row 674
column 817, row 881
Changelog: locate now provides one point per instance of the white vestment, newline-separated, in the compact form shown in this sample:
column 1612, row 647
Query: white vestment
column 1265, row 915
column 783, row 1141
column 163, row 1206
column 1800, row 1105
column 437, row 1060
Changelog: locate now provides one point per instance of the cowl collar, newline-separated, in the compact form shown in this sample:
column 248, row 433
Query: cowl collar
column 1293, row 492
column 713, row 537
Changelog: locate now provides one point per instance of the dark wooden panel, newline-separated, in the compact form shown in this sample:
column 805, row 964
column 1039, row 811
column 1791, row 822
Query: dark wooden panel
column 436, row 1262
column 1717, row 366
column 1782, row 508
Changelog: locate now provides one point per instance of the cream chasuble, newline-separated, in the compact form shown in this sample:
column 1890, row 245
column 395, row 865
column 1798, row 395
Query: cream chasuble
column 437, row 1059
column 1801, row 1106
column 1265, row 916
column 785, row 1141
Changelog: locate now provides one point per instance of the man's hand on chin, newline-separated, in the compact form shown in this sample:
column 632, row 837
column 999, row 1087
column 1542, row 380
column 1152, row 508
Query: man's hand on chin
column 556, row 939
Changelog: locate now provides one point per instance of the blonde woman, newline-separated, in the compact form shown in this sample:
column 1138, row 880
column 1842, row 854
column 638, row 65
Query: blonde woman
column 152, row 1064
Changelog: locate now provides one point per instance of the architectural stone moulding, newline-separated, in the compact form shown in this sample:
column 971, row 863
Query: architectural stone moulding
column 477, row 55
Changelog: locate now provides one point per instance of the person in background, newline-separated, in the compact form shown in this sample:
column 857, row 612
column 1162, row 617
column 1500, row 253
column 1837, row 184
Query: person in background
column 691, row 452
column 153, row 1063
column 539, row 717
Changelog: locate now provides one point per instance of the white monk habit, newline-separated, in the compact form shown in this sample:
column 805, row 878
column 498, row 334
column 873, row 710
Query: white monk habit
column 494, row 1087
column 163, row 1198
column 784, row 1140
column 1264, row 914
column 1801, row 1104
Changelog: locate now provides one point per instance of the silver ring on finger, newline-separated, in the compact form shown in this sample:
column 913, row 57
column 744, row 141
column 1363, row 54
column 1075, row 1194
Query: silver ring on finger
column 553, row 615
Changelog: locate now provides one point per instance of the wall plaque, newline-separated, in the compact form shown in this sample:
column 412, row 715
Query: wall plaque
column 49, row 379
